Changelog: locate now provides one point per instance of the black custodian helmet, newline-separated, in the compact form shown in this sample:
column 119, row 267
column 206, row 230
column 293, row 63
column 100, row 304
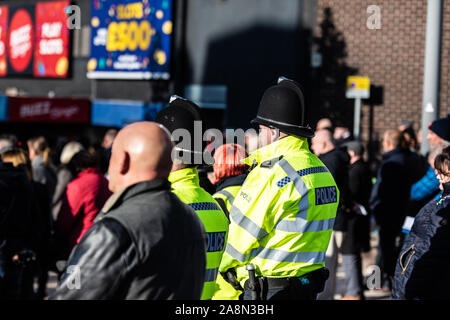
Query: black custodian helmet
column 181, row 114
column 283, row 107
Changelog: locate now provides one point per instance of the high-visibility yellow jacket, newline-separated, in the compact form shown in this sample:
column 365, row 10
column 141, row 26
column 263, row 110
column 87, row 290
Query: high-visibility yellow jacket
column 225, row 291
column 282, row 218
column 227, row 195
column 185, row 184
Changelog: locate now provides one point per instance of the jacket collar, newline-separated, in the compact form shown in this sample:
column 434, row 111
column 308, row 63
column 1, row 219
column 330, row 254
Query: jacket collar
column 89, row 171
column 395, row 151
column 277, row 149
column 358, row 161
column 231, row 181
column 184, row 177
column 446, row 189
column 123, row 195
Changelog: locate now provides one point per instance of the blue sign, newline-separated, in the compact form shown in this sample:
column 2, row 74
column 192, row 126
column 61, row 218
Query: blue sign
column 119, row 113
column 3, row 108
column 130, row 39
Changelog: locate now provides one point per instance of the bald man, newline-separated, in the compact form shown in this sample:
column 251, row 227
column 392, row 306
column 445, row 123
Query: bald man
column 324, row 123
column 389, row 200
column 145, row 244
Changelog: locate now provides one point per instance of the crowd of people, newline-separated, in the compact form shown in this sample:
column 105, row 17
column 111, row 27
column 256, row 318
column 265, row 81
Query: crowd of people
column 392, row 200
column 47, row 206
column 129, row 214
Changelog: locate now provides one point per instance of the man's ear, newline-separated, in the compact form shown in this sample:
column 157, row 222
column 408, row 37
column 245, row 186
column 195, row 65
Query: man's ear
column 124, row 163
column 274, row 133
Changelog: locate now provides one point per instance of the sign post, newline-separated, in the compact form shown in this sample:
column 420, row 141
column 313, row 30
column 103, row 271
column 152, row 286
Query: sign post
column 357, row 88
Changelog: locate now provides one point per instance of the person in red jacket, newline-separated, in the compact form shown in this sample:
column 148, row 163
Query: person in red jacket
column 84, row 198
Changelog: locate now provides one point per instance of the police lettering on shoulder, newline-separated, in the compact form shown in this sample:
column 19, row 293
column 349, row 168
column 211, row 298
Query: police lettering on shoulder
column 282, row 219
column 326, row 195
column 181, row 114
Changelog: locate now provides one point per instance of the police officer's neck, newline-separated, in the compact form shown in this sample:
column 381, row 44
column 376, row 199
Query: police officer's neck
column 178, row 165
column 280, row 136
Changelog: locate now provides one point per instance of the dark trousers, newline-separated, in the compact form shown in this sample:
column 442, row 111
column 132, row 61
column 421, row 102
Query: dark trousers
column 298, row 293
column 389, row 250
column 16, row 282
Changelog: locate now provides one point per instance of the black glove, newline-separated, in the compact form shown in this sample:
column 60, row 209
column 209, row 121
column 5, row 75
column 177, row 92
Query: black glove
column 230, row 277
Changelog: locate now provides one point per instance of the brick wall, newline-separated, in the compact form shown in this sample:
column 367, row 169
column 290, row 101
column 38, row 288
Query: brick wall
column 393, row 57
column 445, row 60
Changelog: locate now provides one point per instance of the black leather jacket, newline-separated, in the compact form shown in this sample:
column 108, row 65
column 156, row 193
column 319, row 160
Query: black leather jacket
column 146, row 244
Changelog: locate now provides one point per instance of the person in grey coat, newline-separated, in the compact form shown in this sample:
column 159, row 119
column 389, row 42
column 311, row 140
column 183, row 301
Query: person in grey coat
column 43, row 170
column 64, row 175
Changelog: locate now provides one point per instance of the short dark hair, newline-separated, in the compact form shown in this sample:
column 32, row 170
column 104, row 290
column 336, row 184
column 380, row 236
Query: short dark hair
column 442, row 162
column 81, row 161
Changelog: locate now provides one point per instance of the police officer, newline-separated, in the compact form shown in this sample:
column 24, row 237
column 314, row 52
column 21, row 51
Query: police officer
column 184, row 114
column 283, row 216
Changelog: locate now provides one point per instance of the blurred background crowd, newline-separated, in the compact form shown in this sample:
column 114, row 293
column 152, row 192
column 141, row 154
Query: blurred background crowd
column 57, row 191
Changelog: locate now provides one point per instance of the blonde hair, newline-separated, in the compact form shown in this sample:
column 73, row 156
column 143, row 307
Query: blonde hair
column 41, row 148
column 69, row 150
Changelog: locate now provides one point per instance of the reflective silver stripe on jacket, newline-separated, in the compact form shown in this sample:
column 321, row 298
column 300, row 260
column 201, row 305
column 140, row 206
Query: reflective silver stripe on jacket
column 277, row 255
column 211, row 274
column 247, row 224
column 300, row 224
column 228, row 195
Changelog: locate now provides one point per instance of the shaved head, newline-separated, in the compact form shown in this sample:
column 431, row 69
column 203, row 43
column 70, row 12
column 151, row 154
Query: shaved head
column 324, row 123
column 393, row 139
column 140, row 152
column 322, row 142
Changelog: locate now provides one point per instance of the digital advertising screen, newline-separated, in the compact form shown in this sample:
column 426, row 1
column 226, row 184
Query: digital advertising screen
column 130, row 39
column 35, row 40
column 51, row 55
column 20, row 40
column 3, row 36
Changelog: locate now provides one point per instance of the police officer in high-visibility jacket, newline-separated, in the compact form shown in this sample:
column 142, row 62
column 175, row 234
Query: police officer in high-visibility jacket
column 182, row 114
column 283, row 216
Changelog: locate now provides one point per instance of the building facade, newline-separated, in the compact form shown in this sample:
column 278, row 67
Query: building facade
column 225, row 53
column 392, row 56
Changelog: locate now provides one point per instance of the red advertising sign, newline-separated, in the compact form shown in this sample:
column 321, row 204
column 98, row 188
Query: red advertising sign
column 3, row 36
column 24, row 109
column 35, row 40
column 20, row 40
column 52, row 40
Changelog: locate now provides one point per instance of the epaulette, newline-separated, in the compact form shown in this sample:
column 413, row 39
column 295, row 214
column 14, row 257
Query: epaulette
column 270, row 163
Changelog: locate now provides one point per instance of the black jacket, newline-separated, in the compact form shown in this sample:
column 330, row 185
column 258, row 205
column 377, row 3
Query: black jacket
column 357, row 237
column 146, row 244
column 18, row 217
column 423, row 266
column 389, row 199
column 231, row 181
column 337, row 161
